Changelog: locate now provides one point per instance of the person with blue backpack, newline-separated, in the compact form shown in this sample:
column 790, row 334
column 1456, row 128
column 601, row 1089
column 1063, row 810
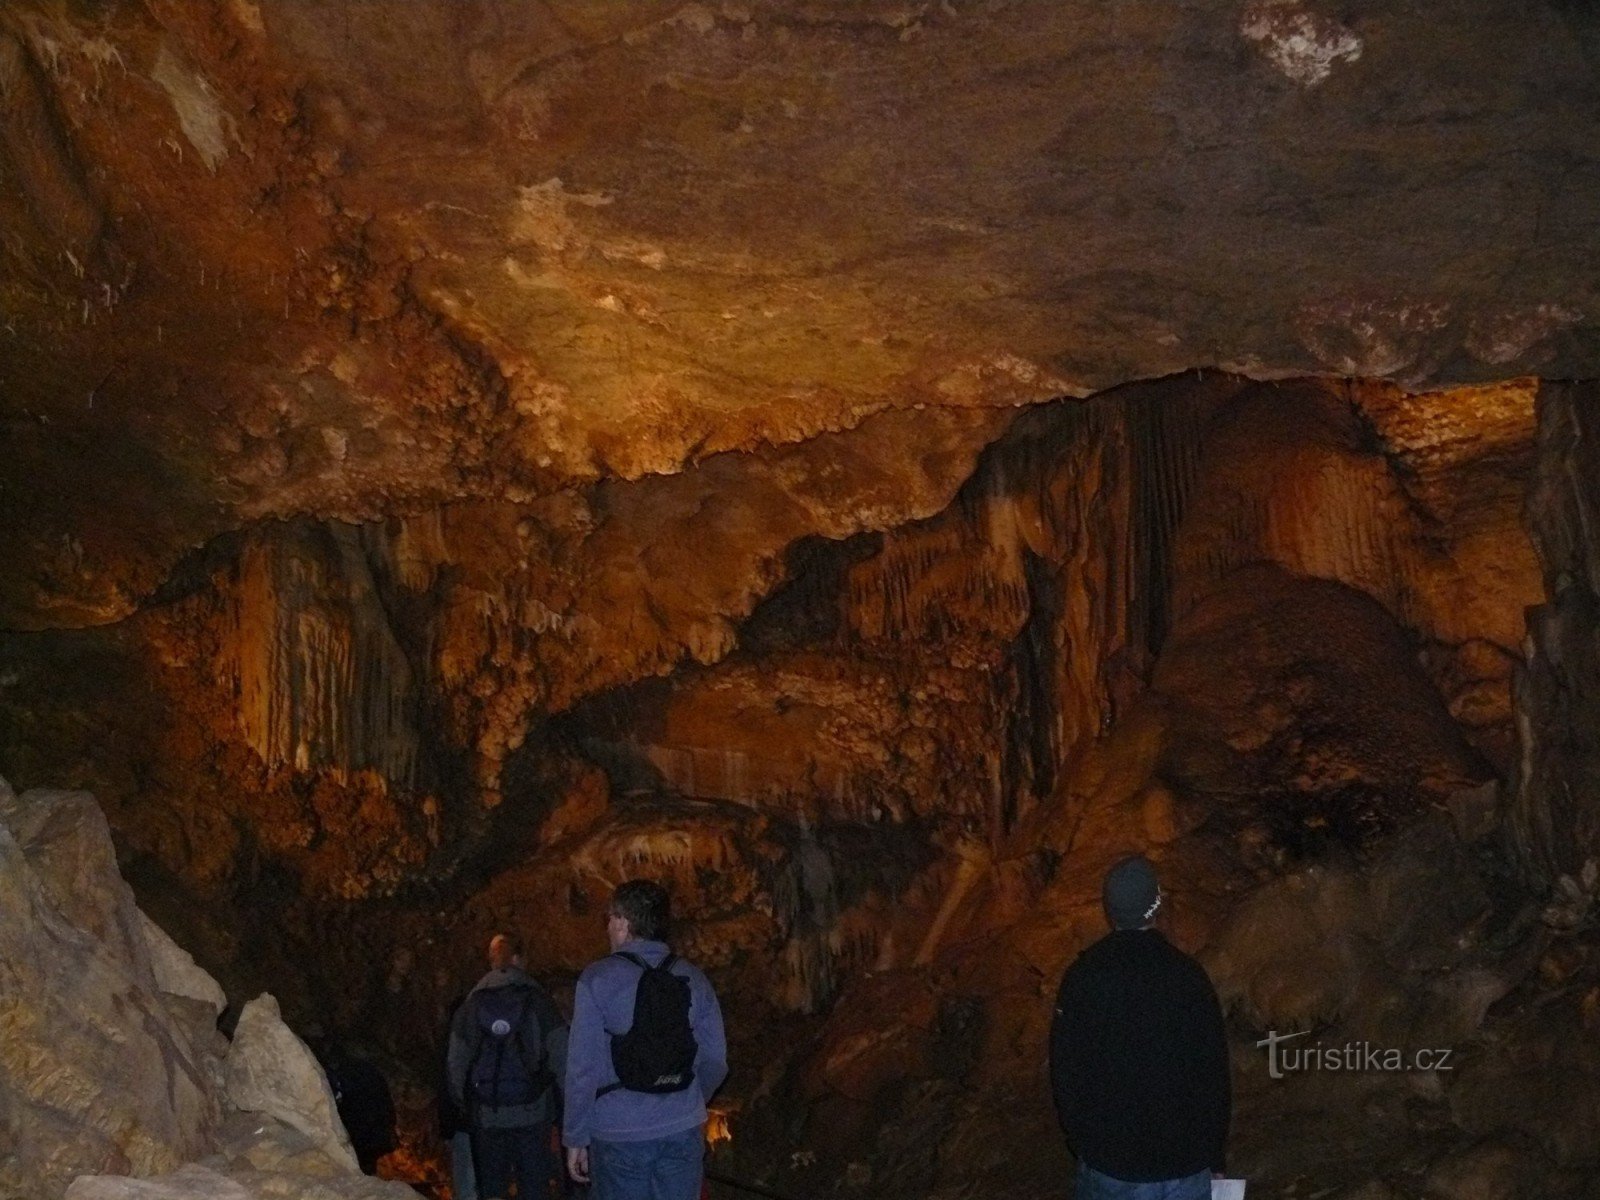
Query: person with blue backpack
column 506, row 1057
column 647, row 1052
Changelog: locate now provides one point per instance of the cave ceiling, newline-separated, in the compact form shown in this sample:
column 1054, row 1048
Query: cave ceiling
column 271, row 258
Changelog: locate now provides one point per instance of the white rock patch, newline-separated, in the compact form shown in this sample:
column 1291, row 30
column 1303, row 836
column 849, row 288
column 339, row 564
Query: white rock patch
column 1300, row 44
column 207, row 126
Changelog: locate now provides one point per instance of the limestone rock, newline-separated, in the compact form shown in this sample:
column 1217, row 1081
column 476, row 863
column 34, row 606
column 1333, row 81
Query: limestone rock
column 1291, row 957
column 68, row 844
column 1537, row 1078
column 189, row 1182
column 1373, row 1189
column 193, row 998
column 95, row 1075
column 1488, row 1171
column 260, row 1159
column 1414, row 500
column 1305, row 693
column 1393, row 948
column 271, row 1071
column 176, row 972
column 1553, row 822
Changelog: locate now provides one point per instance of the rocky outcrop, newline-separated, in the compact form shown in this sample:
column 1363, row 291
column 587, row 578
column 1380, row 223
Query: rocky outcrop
column 1294, row 692
column 1400, row 950
column 178, row 975
column 1414, row 500
column 272, row 1072
column 879, row 706
column 258, row 1160
column 111, row 1071
column 96, row 1074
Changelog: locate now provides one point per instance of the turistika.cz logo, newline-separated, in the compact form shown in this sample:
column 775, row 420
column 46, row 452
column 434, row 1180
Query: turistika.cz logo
column 1351, row 1056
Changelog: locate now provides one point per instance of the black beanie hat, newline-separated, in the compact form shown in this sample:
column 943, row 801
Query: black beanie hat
column 1131, row 893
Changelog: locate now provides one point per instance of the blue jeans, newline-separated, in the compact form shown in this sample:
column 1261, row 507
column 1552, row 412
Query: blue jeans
column 1092, row 1185
column 666, row 1168
column 463, row 1180
column 523, row 1155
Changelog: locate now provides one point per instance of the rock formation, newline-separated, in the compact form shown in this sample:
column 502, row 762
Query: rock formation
column 98, row 1074
column 110, row 1066
column 1554, row 824
column 863, row 713
column 270, row 1071
column 867, row 464
column 271, row 257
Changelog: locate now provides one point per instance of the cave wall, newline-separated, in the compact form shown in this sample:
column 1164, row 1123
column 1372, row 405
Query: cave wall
column 460, row 454
column 879, row 708
column 1553, row 820
column 327, row 717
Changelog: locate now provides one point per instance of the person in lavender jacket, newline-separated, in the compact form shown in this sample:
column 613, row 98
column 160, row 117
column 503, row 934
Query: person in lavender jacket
column 635, row 1145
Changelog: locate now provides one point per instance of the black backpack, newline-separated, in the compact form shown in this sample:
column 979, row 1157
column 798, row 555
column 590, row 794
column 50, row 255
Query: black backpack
column 657, row 1053
column 503, row 1071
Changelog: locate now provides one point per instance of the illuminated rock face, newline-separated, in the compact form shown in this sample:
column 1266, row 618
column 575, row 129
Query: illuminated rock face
column 857, row 462
column 97, row 1072
column 880, row 708
column 112, row 1068
column 279, row 257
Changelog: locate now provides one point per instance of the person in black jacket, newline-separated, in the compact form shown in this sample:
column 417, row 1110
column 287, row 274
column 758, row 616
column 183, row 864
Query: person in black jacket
column 1139, row 1056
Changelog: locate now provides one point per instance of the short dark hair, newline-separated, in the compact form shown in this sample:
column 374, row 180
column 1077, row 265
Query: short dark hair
column 645, row 906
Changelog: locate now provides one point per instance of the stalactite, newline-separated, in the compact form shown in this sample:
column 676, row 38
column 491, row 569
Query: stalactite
column 805, row 901
column 320, row 679
column 1053, row 568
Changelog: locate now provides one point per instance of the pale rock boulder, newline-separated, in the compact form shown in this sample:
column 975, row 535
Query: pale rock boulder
column 190, row 1182
column 193, row 997
column 176, row 972
column 95, row 1074
column 260, row 1159
column 272, row 1072
column 68, row 844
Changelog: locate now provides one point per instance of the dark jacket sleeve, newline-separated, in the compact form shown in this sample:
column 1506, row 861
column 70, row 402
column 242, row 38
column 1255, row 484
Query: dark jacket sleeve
column 1068, row 1053
column 1214, row 1073
column 458, row 1053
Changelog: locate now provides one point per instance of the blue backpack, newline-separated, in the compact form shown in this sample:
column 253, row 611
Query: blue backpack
column 505, row 1071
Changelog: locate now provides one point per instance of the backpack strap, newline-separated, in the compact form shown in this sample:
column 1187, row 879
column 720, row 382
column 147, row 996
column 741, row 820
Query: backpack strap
column 534, row 1073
